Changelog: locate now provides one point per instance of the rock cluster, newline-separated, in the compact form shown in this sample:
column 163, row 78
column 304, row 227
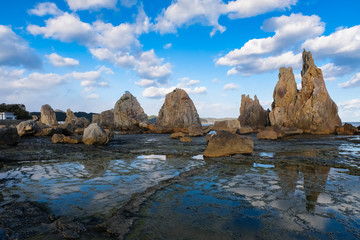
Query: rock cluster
column 9, row 135
column 179, row 112
column 29, row 127
column 252, row 113
column 48, row 116
column 95, row 135
column 311, row 109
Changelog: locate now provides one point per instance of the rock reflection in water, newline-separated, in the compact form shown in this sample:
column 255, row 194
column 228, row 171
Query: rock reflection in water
column 85, row 188
column 255, row 201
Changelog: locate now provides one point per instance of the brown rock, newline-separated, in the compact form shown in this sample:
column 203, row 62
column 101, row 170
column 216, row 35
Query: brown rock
column 48, row 116
column 232, row 126
column 95, row 135
column 61, row 138
column 96, row 118
column 252, row 113
column 128, row 113
column 195, row 131
column 70, row 117
column 246, row 130
column 185, row 139
column 271, row 133
column 207, row 129
column 177, row 135
column 49, row 131
column 311, row 109
column 9, row 135
column 291, row 131
column 29, row 127
column 107, row 119
column 224, row 143
column 178, row 111
column 347, row 129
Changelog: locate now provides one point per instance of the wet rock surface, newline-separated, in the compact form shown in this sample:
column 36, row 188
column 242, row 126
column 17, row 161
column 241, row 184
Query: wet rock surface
column 152, row 187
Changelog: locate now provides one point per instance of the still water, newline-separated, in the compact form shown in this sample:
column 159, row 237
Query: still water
column 304, row 187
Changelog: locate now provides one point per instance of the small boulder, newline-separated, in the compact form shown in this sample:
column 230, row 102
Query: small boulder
column 347, row 129
column 48, row 116
column 232, row 126
column 195, row 131
column 61, row 138
column 29, row 127
column 185, row 139
column 271, row 133
column 224, row 143
column 9, row 135
column 95, row 135
column 291, row 131
column 177, row 135
column 246, row 130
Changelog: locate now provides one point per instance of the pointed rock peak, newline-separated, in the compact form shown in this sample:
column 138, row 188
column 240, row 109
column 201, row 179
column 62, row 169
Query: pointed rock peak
column 308, row 62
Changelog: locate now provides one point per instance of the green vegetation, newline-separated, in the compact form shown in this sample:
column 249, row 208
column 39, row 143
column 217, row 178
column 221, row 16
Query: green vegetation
column 19, row 110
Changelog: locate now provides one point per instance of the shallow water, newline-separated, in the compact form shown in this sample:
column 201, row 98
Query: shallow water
column 300, row 187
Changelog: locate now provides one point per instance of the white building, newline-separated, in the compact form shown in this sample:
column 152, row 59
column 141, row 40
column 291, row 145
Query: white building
column 7, row 116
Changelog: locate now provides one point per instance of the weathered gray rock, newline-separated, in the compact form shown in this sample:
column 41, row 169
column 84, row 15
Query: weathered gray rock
column 178, row 112
column 48, row 116
column 96, row 118
column 9, row 135
column 232, row 126
column 224, row 143
column 195, row 131
column 29, row 127
column 95, row 135
column 271, row 133
column 128, row 113
column 311, row 109
column 252, row 113
column 70, row 117
column 49, row 131
column 107, row 119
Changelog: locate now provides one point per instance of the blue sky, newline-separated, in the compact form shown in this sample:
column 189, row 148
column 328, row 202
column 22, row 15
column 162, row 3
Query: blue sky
column 84, row 54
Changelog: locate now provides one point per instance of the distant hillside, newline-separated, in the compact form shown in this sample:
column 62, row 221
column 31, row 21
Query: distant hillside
column 152, row 119
column 19, row 110
column 61, row 116
column 212, row 120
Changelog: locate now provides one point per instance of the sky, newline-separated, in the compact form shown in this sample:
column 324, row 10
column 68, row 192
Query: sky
column 84, row 54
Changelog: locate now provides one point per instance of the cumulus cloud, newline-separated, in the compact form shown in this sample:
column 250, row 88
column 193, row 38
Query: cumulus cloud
column 145, row 82
column 168, row 46
column 92, row 79
column 353, row 82
column 59, row 61
column 185, row 83
column 91, row 4
column 45, row 8
column 230, row 86
column 128, row 3
column 15, row 51
column 207, row 12
column 266, row 54
column 331, row 71
column 350, row 110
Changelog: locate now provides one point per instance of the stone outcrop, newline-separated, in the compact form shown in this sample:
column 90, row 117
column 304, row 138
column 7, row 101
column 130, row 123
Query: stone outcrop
column 29, row 127
column 95, row 135
column 347, row 129
column 70, row 117
column 186, row 139
column 107, row 119
column 311, row 109
column 61, row 138
column 275, row 132
column 96, row 118
column 48, row 116
column 224, row 143
column 177, row 135
column 178, row 112
column 252, row 113
column 128, row 113
column 9, row 135
column 74, row 125
column 227, row 125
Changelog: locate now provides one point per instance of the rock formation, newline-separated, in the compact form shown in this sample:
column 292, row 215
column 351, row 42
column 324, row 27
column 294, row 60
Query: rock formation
column 95, row 135
column 252, row 113
column 29, row 127
column 9, row 135
column 225, row 143
column 227, row 125
column 61, row 138
column 178, row 112
column 48, row 116
column 347, row 129
column 73, row 124
column 70, row 117
column 311, row 109
column 128, row 113
column 107, row 119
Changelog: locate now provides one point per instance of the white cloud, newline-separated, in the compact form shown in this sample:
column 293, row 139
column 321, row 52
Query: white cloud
column 92, row 79
column 145, row 82
column 168, row 46
column 67, row 28
column 266, row 104
column 128, row 3
column 206, row 109
column 15, row 51
column 353, row 82
column 156, row 92
column 207, row 12
column 265, row 54
column 91, row 4
column 93, row 96
column 45, row 8
column 331, row 71
column 350, row 110
column 230, row 86
column 59, row 61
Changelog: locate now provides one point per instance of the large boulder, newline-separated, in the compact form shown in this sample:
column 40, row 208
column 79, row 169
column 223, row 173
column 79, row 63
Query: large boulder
column 61, row 138
column 9, row 135
column 227, row 125
column 178, row 112
column 96, row 118
column 252, row 113
column 70, row 117
column 95, row 135
column 311, row 109
column 48, row 116
column 224, row 143
column 128, row 113
column 29, row 127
